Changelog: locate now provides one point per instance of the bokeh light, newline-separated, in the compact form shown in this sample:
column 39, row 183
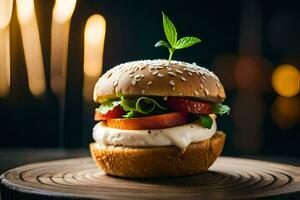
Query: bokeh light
column 63, row 10
column 286, row 112
column 286, row 80
column 94, row 37
column 252, row 73
column 25, row 10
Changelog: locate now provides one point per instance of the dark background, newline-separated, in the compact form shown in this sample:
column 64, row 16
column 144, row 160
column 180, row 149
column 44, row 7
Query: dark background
column 242, row 42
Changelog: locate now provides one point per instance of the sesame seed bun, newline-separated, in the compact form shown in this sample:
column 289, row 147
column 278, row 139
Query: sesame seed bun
column 158, row 161
column 159, row 78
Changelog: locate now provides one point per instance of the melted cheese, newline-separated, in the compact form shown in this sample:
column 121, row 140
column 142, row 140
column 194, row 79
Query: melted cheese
column 180, row 136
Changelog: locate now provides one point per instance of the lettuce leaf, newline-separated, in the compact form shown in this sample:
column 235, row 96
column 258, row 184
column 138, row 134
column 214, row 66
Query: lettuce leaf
column 107, row 106
column 133, row 106
column 140, row 106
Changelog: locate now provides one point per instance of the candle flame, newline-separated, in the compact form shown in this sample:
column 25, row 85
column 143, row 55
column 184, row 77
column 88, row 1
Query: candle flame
column 32, row 47
column 94, row 37
column 63, row 10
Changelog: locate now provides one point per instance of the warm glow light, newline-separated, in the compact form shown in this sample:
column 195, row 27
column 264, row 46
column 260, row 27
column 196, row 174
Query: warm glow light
column 94, row 37
column 286, row 111
column 25, row 10
column 286, row 80
column 62, row 13
column 5, row 16
column 63, row 10
column 5, row 12
column 32, row 47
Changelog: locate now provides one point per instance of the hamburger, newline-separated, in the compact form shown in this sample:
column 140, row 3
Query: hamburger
column 157, row 118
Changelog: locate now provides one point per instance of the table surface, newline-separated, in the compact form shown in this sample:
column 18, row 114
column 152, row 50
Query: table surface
column 11, row 158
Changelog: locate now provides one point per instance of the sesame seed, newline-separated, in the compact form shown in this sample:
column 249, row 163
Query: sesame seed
column 155, row 72
column 180, row 94
column 165, row 98
column 115, row 83
column 218, row 85
column 206, row 92
column 143, row 91
column 137, row 76
column 183, row 78
column 171, row 82
column 109, row 74
column 130, row 75
column 142, row 67
column 203, row 77
column 173, row 88
column 190, row 73
column 196, row 92
column 133, row 81
column 160, row 75
column 178, row 71
column 149, row 83
column 172, row 73
column 201, row 85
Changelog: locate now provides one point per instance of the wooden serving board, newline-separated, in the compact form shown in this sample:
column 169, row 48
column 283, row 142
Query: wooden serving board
column 228, row 178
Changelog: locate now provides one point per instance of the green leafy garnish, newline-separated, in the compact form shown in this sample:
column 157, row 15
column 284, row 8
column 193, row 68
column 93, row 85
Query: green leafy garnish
column 220, row 109
column 107, row 106
column 171, row 35
column 140, row 106
column 206, row 121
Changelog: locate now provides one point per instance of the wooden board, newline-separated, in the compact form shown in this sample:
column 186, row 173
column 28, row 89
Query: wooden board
column 228, row 178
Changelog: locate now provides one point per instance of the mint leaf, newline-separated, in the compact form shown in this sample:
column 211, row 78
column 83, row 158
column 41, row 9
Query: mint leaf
column 140, row 106
column 171, row 35
column 162, row 43
column 220, row 109
column 170, row 30
column 186, row 42
column 105, row 107
column 206, row 121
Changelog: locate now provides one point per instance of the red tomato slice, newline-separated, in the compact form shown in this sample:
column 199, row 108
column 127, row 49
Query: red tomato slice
column 151, row 122
column 116, row 112
column 186, row 105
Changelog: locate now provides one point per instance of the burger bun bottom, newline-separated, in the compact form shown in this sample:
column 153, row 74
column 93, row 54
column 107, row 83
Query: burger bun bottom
column 169, row 161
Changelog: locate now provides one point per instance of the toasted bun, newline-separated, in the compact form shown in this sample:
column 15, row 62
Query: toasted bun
column 158, row 161
column 159, row 78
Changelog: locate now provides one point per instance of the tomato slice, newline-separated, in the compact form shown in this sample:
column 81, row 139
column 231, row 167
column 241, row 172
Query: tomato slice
column 151, row 122
column 186, row 105
column 116, row 112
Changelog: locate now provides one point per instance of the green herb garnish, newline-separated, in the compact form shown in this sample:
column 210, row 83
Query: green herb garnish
column 206, row 121
column 220, row 109
column 171, row 35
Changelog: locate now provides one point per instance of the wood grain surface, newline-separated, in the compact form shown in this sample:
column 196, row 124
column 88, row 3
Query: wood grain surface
column 228, row 178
